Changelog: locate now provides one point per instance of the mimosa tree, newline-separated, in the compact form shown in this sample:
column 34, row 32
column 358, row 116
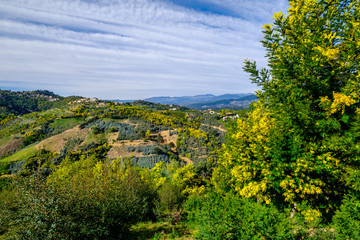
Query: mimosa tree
column 300, row 145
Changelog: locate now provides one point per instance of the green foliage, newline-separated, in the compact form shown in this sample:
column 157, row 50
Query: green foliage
column 153, row 116
column 174, row 184
column 8, row 202
column 169, row 203
column 5, row 182
column 25, row 102
column 159, row 231
column 105, row 125
column 150, row 161
column 148, row 149
column 127, row 132
column 299, row 144
column 60, row 125
column 347, row 219
column 20, row 155
column 235, row 217
column 32, row 137
column 4, row 167
column 5, row 118
column 97, row 130
column 205, row 140
column 80, row 194
column 40, row 161
column 81, row 200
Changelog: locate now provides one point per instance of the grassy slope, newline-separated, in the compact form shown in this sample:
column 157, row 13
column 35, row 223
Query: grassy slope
column 63, row 124
column 4, row 140
column 57, row 142
column 22, row 154
column 9, row 145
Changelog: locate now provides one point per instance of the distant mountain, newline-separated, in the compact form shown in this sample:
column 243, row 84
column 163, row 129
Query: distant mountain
column 235, row 104
column 122, row 101
column 186, row 100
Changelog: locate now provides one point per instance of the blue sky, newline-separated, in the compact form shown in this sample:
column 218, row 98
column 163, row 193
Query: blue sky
column 132, row 49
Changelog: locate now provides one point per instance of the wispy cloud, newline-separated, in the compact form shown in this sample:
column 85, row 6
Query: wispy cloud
column 131, row 48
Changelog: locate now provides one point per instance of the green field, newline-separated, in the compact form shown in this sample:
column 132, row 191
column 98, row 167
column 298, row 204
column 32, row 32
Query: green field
column 63, row 124
column 5, row 140
column 22, row 154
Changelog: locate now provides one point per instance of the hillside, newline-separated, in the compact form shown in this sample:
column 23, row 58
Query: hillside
column 234, row 104
column 50, row 136
column 26, row 101
column 142, row 131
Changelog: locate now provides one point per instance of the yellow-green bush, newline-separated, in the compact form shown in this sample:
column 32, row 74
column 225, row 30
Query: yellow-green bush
column 86, row 199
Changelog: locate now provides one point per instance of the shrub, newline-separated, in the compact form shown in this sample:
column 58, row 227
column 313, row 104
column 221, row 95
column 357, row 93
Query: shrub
column 347, row 220
column 168, row 206
column 127, row 132
column 148, row 149
column 7, row 213
column 40, row 160
column 131, row 149
column 4, row 167
column 234, row 217
column 85, row 199
column 150, row 161
column 97, row 130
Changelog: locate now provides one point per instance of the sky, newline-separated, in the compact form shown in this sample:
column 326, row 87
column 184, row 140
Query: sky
column 132, row 49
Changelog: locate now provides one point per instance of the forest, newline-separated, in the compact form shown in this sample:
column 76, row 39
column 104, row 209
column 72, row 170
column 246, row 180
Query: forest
column 287, row 168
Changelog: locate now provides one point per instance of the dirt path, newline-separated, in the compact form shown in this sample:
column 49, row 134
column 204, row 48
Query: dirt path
column 185, row 159
column 216, row 127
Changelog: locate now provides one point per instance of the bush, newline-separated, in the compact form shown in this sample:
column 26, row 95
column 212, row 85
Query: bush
column 4, row 167
column 150, row 161
column 234, row 217
column 127, row 132
column 82, row 200
column 131, row 149
column 40, row 161
column 7, row 203
column 168, row 206
column 97, row 130
column 4, row 182
column 148, row 149
column 347, row 220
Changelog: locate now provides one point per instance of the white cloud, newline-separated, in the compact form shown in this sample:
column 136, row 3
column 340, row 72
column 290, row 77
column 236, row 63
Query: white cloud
column 127, row 48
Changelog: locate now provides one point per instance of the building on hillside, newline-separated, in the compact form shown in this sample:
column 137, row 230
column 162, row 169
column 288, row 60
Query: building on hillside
column 232, row 117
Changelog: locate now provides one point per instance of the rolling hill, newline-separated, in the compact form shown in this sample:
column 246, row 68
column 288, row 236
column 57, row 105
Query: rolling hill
column 202, row 102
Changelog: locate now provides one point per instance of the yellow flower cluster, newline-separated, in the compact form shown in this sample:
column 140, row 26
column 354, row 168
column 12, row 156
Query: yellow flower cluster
column 241, row 173
column 246, row 157
column 329, row 53
column 29, row 134
column 300, row 189
column 7, row 119
column 341, row 101
column 98, row 170
column 252, row 189
column 196, row 133
column 278, row 15
column 186, row 178
column 311, row 215
column 157, row 178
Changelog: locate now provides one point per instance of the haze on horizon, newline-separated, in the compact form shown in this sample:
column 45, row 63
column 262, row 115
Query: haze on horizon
column 132, row 49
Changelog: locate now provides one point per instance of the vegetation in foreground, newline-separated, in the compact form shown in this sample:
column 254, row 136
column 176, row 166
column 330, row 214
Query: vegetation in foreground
column 288, row 170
